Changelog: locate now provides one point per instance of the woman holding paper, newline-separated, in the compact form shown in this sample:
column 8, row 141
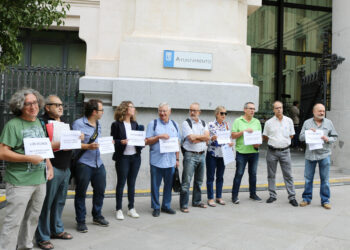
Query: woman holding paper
column 127, row 158
column 214, row 158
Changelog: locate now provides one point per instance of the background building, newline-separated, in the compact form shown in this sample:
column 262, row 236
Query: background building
column 118, row 47
column 287, row 44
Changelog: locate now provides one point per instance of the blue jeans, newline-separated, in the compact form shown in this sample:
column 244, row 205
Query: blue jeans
column 214, row 163
column 127, row 171
column 84, row 174
column 241, row 161
column 192, row 164
column 157, row 174
column 309, row 173
column 50, row 222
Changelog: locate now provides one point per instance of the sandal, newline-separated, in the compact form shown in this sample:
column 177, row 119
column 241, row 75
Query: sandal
column 45, row 245
column 185, row 210
column 201, row 205
column 220, row 201
column 211, row 203
column 62, row 236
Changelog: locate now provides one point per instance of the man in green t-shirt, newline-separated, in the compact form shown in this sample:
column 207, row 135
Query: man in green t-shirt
column 25, row 175
column 245, row 153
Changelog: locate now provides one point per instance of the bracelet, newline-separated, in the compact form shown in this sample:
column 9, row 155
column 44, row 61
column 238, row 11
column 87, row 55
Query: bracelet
column 177, row 159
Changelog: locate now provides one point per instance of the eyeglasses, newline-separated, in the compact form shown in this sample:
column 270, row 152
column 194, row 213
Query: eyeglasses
column 100, row 110
column 162, row 111
column 251, row 108
column 194, row 110
column 56, row 104
column 28, row 104
column 223, row 113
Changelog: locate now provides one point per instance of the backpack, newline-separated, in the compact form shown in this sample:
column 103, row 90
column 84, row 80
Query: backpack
column 156, row 121
column 188, row 120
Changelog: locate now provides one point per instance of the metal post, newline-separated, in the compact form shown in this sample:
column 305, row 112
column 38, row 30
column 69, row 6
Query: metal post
column 280, row 54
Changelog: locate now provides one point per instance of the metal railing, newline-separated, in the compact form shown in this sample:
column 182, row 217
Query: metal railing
column 47, row 80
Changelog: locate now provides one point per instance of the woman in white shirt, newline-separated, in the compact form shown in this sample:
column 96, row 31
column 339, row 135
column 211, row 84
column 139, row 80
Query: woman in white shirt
column 127, row 158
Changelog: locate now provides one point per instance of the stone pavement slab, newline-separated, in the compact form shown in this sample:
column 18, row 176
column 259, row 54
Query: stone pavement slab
column 248, row 225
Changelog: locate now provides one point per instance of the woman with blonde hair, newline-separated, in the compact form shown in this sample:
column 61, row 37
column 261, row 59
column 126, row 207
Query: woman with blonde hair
column 127, row 158
column 214, row 158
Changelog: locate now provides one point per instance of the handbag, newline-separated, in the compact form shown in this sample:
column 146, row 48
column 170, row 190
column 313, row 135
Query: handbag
column 176, row 181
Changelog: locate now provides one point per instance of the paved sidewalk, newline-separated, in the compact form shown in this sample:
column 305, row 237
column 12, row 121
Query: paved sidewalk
column 249, row 225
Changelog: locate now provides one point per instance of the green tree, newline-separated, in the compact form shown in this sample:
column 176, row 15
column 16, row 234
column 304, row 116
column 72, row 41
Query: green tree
column 32, row 14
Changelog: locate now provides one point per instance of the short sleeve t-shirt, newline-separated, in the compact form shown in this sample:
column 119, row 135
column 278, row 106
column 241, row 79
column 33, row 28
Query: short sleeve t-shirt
column 241, row 124
column 22, row 173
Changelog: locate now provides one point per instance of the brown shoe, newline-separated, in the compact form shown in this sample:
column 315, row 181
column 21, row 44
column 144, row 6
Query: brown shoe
column 304, row 203
column 327, row 206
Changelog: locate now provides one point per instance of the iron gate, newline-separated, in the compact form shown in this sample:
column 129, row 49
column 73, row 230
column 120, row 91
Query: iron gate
column 47, row 80
column 315, row 87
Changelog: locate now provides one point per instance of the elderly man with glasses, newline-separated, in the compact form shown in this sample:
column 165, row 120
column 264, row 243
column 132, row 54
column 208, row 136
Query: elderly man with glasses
column 162, row 164
column 245, row 153
column 195, row 136
column 50, row 223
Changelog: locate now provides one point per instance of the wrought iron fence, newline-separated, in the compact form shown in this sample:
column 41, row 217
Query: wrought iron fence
column 47, row 80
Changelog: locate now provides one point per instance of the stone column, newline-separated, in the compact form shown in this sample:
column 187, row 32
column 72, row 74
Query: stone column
column 340, row 95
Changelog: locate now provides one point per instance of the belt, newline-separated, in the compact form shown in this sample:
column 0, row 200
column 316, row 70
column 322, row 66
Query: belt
column 278, row 149
column 197, row 153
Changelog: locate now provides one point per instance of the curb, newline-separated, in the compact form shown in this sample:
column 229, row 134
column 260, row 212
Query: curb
column 226, row 189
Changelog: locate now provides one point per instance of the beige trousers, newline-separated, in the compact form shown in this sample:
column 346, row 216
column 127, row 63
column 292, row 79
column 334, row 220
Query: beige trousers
column 21, row 216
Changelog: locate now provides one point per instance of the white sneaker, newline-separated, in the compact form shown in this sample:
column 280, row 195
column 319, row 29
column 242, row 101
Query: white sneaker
column 119, row 215
column 132, row 213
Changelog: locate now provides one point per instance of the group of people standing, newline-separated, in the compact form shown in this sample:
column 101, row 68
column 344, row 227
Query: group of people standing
column 36, row 188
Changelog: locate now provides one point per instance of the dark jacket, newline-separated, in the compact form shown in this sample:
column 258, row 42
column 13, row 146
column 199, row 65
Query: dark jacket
column 62, row 157
column 118, row 132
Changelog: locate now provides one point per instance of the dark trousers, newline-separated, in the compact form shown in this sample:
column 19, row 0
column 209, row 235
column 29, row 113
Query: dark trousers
column 50, row 222
column 127, row 169
column 214, row 163
column 84, row 174
column 241, row 161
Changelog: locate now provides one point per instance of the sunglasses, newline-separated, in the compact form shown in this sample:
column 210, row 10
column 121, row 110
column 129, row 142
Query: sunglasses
column 223, row 113
column 57, row 105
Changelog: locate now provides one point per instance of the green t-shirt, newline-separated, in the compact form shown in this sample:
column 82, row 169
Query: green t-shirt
column 241, row 124
column 22, row 173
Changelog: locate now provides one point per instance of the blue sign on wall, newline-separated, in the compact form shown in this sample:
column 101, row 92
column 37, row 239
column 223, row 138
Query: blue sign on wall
column 187, row 60
column 168, row 60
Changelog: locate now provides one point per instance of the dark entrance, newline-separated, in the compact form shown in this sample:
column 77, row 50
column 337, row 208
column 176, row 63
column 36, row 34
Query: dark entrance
column 315, row 87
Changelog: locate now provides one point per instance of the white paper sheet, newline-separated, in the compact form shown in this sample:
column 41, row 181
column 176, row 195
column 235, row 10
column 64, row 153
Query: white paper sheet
column 70, row 139
column 106, row 145
column 136, row 138
column 169, row 145
column 227, row 154
column 314, row 146
column 252, row 138
column 38, row 146
column 223, row 137
column 313, row 137
column 58, row 129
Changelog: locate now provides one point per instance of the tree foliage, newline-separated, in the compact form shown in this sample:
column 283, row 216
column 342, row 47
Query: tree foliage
column 32, row 14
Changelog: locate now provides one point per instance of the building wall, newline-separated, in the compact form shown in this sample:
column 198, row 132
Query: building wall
column 340, row 105
column 125, row 40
